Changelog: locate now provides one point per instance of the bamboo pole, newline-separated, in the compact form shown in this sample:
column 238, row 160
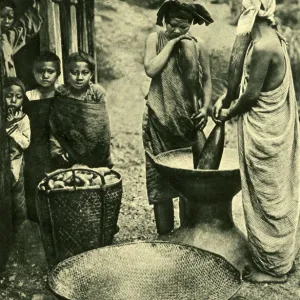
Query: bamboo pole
column 84, row 32
column 73, row 31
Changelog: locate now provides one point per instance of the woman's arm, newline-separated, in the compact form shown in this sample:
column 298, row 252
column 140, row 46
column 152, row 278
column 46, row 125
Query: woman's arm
column 260, row 62
column 200, row 119
column 206, row 79
column 153, row 62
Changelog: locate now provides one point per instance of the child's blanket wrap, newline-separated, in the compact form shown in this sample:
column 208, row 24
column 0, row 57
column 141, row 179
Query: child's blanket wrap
column 83, row 130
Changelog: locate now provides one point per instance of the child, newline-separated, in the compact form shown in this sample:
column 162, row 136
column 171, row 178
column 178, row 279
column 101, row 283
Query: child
column 80, row 131
column 46, row 70
column 18, row 130
column 16, row 34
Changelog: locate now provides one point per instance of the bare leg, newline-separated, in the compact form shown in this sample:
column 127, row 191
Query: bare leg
column 164, row 216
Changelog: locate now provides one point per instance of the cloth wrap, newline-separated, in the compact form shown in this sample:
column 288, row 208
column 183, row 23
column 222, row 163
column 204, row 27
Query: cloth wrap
column 37, row 157
column 83, row 130
column 269, row 152
column 253, row 8
column 167, row 124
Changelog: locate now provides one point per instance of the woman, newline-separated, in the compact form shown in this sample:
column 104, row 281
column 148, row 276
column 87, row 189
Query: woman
column 268, row 140
column 178, row 99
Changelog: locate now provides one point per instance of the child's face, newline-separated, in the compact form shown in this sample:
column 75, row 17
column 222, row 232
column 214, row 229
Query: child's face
column 13, row 96
column 79, row 75
column 177, row 27
column 7, row 16
column 45, row 73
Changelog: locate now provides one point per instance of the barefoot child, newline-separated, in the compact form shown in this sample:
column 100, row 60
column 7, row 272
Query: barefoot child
column 46, row 70
column 18, row 130
column 15, row 33
column 79, row 120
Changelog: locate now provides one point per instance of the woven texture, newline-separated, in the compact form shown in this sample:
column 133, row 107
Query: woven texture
column 74, row 221
column 142, row 271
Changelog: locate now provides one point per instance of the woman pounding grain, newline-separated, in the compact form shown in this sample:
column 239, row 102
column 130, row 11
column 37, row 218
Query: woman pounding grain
column 178, row 99
column 269, row 149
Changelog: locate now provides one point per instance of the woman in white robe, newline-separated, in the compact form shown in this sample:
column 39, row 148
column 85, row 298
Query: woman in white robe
column 269, row 149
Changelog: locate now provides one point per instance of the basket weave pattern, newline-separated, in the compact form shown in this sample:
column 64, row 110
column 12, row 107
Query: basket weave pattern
column 74, row 221
column 145, row 271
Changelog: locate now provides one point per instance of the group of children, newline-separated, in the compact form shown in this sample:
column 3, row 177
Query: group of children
column 52, row 147
column 49, row 127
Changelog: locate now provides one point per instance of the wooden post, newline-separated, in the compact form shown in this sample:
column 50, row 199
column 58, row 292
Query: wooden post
column 90, row 11
column 50, row 32
column 73, row 40
column 6, row 229
column 82, row 26
column 85, row 44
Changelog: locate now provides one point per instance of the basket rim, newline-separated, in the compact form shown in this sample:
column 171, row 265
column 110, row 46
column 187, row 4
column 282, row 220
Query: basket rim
column 82, row 188
column 194, row 248
column 147, row 242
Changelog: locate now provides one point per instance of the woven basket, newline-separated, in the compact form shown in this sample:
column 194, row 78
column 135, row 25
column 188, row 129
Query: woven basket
column 78, row 219
column 145, row 271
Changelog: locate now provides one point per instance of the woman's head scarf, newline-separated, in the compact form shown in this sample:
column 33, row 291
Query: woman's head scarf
column 253, row 8
column 194, row 13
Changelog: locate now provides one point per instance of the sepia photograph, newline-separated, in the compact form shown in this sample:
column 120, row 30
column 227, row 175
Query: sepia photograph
column 149, row 150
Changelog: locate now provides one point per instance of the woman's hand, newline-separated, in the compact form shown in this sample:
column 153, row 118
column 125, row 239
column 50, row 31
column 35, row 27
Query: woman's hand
column 179, row 38
column 224, row 115
column 200, row 119
column 217, row 108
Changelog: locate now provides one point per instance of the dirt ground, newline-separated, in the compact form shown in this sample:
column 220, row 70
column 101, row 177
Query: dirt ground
column 26, row 273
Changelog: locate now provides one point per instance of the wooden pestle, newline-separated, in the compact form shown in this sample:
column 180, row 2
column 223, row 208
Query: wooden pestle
column 212, row 152
column 211, row 155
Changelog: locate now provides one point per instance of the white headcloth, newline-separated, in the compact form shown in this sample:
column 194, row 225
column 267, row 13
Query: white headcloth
column 254, row 8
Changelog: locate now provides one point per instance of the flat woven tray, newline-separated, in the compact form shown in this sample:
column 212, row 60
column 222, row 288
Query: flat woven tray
column 142, row 271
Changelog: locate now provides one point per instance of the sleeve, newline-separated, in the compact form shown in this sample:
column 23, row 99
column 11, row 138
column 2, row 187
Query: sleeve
column 55, row 147
column 21, row 133
column 25, row 27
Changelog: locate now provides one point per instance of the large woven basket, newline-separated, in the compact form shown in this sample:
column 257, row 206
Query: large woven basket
column 145, row 271
column 78, row 219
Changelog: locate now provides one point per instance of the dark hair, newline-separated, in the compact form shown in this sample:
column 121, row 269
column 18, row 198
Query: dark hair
column 8, row 3
column 9, row 81
column 81, row 57
column 48, row 56
column 169, row 17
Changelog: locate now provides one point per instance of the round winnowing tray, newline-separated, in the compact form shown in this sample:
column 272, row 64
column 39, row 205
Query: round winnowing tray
column 145, row 271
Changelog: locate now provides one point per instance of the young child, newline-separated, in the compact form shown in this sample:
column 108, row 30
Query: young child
column 15, row 33
column 18, row 130
column 46, row 70
column 80, row 130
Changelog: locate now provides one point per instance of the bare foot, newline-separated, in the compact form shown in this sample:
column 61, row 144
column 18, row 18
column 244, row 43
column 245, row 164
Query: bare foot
column 255, row 276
